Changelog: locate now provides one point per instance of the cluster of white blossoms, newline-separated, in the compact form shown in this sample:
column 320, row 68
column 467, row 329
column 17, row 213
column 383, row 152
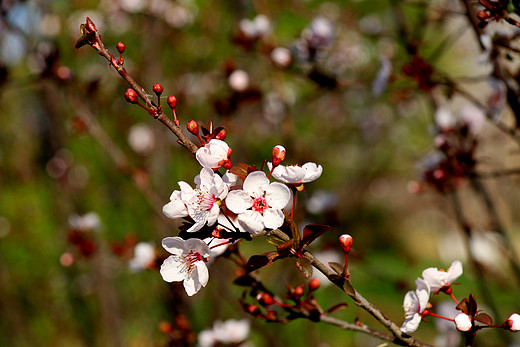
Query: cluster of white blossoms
column 416, row 302
column 252, row 206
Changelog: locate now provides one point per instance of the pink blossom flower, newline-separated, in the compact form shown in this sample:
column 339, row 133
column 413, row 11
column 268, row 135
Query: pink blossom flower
column 414, row 304
column 463, row 322
column 187, row 263
column 214, row 154
column 296, row 174
column 259, row 204
column 513, row 322
column 437, row 279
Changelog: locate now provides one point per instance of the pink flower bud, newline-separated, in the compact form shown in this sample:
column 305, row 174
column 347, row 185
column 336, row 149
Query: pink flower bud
column 120, row 47
column 278, row 155
column 298, row 291
column 463, row 322
column 513, row 322
column 131, row 96
column 172, row 101
column 158, row 89
column 345, row 242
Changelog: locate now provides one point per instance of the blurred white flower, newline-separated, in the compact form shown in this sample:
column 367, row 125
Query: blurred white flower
column 141, row 138
column 448, row 335
column 187, row 263
column 238, row 80
column 86, row 222
column 132, row 5
column 144, row 255
column 228, row 332
column 281, row 57
column 321, row 201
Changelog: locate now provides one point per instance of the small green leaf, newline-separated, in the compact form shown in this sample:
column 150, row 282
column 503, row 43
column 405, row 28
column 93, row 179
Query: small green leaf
column 275, row 240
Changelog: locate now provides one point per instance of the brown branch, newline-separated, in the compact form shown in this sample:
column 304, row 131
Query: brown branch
column 92, row 38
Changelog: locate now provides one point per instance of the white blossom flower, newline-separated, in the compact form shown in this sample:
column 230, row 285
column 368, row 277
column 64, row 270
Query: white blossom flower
column 203, row 202
column 144, row 255
column 437, row 279
column 214, row 154
column 86, row 222
column 229, row 332
column 463, row 322
column 238, row 80
column 414, row 304
column 141, row 138
column 259, row 204
column 513, row 322
column 187, row 263
column 296, row 174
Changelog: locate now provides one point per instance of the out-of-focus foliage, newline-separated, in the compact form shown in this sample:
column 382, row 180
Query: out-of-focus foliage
column 70, row 144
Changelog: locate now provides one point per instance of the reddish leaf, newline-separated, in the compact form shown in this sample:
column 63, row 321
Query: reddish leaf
column 242, row 170
column 259, row 261
column 284, row 249
column 483, row 318
column 337, row 267
column 311, row 232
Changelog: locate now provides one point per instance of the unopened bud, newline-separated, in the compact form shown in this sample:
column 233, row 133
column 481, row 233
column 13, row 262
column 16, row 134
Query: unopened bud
column 253, row 309
column 221, row 135
column 314, row 284
column 131, row 96
column 120, row 47
column 165, row 327
column 298, row 291
column 463, row 322
column 226, row 164
column 264, row 299
column 172, row 101
column 90, row 25
column 345, row 242
column 513, row 322
column 193, row 127
column 482, row 15
column 278, row 155
column 158, row 89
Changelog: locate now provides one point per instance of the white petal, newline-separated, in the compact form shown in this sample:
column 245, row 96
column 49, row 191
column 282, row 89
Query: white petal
column 197, row 279
column 172, row 269
column 312, row 171
column 277, row 195
column 251, row 221
column 238, row 201
column 206, row 177
column 273, row 219
column 175, row 209
column 197, row 246
column 205, row 158
column 174, row 245
column 411, row 325
column 454, row 271
column 256, row 183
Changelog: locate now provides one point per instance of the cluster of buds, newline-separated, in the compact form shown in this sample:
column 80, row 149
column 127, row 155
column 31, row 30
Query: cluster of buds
column 494, row 10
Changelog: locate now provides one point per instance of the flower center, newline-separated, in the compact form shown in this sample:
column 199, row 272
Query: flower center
column 260, row 204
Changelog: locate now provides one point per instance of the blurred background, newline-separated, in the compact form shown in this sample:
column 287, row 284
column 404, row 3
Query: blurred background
column 84, row 174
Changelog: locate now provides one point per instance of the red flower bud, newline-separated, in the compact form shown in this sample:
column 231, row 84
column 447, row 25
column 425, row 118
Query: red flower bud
column 278, row 155
column 120, row 47
column 345, row 242
column 482, row 15
column 172, row 101
column 314, row 284
column 193, row 127
column 90, row 25
column 131, row 96
column 221, row 135
column 264, row 299
column 158, row 89
column 298, row 291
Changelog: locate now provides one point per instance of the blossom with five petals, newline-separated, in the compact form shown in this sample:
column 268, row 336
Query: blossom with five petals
column 259, row 204
column 202, row 204
column 414, row 304
column 295, row 174
column 214, row 154
column 187, row 263
column 438, row 279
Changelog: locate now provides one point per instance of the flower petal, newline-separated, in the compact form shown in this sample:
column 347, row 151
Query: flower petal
column 175, row 209
column 277, row 195
column 312, row 172
column 251, row 221
column 196, row 279
column 174, row 245
column 273, row 218
column 173, row 269
column 197, row 246
column 238, row 201
column 256, row 183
